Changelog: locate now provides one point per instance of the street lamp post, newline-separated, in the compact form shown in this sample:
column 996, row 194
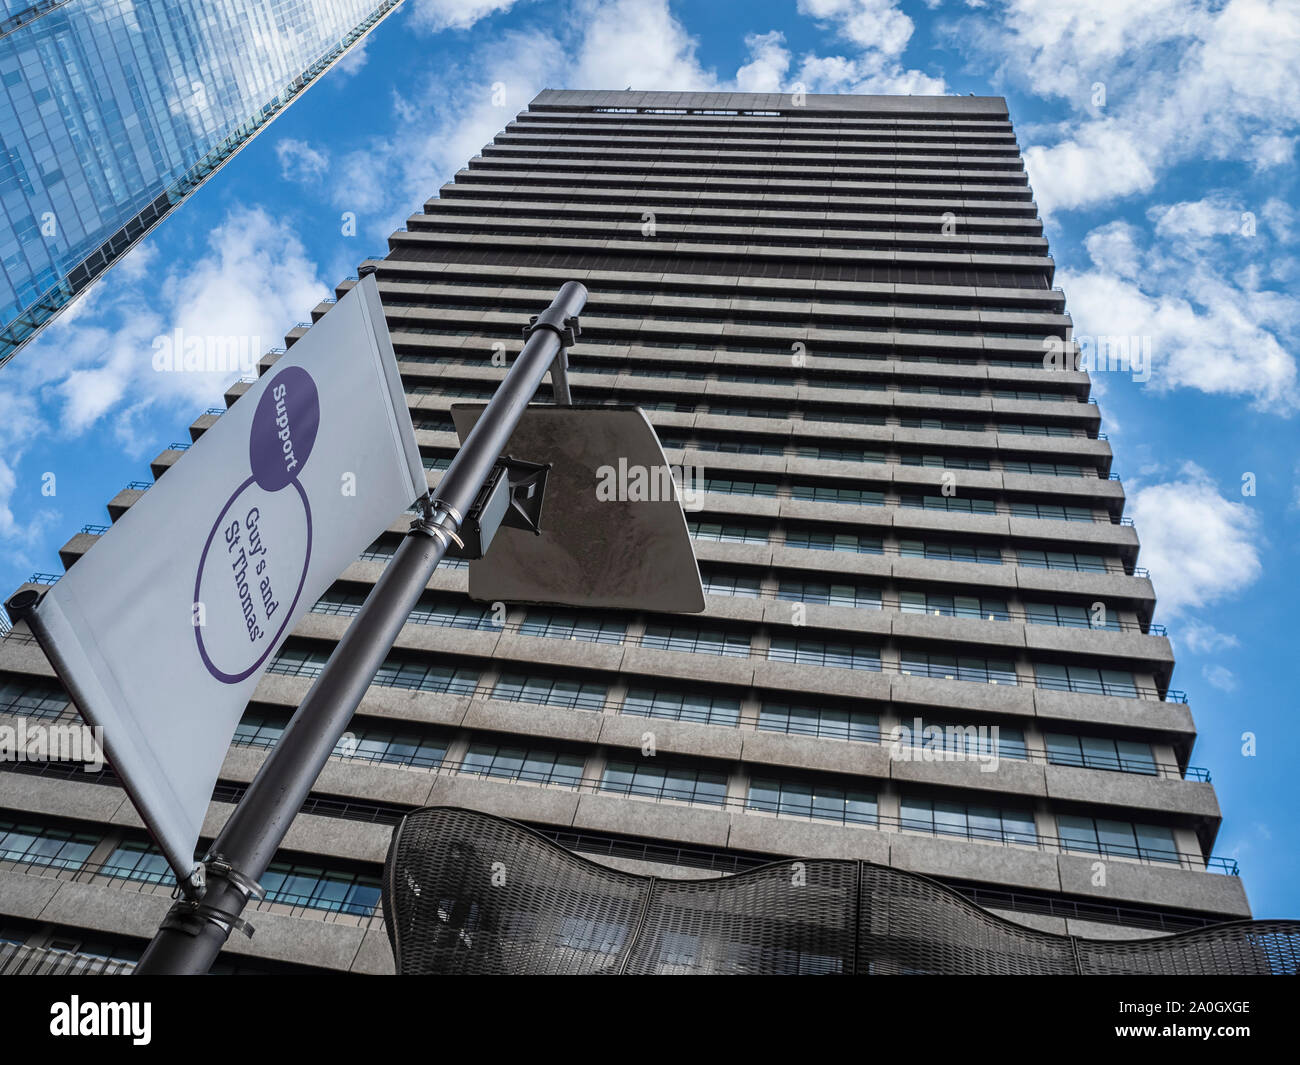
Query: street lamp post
column 195, row 930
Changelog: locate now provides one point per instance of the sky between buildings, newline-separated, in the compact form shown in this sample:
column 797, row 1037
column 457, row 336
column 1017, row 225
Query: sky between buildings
column 1160, row 139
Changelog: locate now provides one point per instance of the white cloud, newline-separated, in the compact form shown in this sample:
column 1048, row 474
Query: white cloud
column 1220, row 677
column 354, row 62
column 871, row 24
column 1270, row 150
column 1193, row 219
column 1208, row 332
column 435, row 15
column 20, row 425
column 1180, row 80
column 769, row 63
column 881, row 32
column 299, row 161
column 1199, row 546
column 638, row 43
column 1202, row 639
column 251, row 284
column 1100, row 162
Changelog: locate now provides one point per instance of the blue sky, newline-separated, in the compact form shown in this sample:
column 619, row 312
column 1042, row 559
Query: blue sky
column 1160, row 138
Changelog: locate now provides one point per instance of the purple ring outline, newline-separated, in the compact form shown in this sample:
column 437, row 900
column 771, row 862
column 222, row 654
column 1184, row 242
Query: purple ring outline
column 235, row 678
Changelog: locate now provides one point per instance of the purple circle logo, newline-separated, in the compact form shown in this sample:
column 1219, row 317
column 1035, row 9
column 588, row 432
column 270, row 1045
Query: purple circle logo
column 254, row 563
column 284, row 429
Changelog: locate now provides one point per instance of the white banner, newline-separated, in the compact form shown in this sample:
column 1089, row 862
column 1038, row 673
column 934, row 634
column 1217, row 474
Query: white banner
column 163, row 629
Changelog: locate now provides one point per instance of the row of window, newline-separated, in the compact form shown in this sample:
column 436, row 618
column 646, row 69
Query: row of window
column 463, row 389
column 844, row 416
column 735, row 532
column 598, row 628
column 492, row 284
column 821, row 540
column 317, row 887
column 896, row 320
column 412, row 747
column 416, row 674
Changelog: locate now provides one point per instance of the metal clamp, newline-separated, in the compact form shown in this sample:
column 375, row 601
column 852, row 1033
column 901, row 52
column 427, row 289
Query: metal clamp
column 430, row 521
column 567, row 329
column 188, row 915
column 221, row 867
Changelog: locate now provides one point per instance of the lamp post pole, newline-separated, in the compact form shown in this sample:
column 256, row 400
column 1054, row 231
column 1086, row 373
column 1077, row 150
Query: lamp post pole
column 195, row 930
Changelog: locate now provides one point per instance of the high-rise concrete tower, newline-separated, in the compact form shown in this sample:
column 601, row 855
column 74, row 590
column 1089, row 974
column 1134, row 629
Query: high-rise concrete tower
column 835, row 309
column 112, row 112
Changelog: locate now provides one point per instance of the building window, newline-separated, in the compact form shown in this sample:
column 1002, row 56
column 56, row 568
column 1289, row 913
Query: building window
column 953, row 606
column 1118, row 839
column 43, row 845
column 739, row 488
column 682, row 706
column 424, row 676
column 391, row 747
column 25, row 698
column 321, row 889
column 138, row 861
column 809, row 652
column 943, row 817
column 1071, row 617
column 827, row 594
column 726, row 532
column 818, row 801
column 957, row 504
column 1065, row 560
column 548, row 691
column 823, row 722
column 1101, row 752
column 1051, row 469
column 730, row 584
column 946, row 462
column 965, row 742
column 656, row 780
column 950, row 667
column 1051, row 511
column 298, row 662
column 1036, row 430
column 533, row 764
column 430, row 610
column 590, row 628
column 950, row 552
column 821, row 540
column 1085, row 679
column 258, row 729
column 696, row 640
column 820, row 493
column 839, row 454
column 458, row 614
column 939, row 423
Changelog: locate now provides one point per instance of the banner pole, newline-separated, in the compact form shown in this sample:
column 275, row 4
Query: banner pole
column 195, row 930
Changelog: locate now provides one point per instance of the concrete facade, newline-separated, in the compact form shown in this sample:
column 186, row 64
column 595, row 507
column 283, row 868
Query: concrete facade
column 837, row 310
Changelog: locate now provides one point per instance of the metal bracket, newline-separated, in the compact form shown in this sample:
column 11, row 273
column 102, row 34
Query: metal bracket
column 512, row 496
column 221, row 867
column 188, row 915
column 567, row 329
column 430, row 522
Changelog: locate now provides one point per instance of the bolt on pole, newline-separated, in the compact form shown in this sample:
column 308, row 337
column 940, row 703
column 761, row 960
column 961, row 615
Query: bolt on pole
column 195, row 930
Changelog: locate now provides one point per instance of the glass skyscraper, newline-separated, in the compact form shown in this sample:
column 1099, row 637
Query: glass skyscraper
column 113, row 111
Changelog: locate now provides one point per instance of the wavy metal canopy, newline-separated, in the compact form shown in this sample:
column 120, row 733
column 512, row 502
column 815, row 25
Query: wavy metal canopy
column 469, row 893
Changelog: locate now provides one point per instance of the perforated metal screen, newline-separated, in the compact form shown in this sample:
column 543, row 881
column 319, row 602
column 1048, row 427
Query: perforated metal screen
column 469, row 893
